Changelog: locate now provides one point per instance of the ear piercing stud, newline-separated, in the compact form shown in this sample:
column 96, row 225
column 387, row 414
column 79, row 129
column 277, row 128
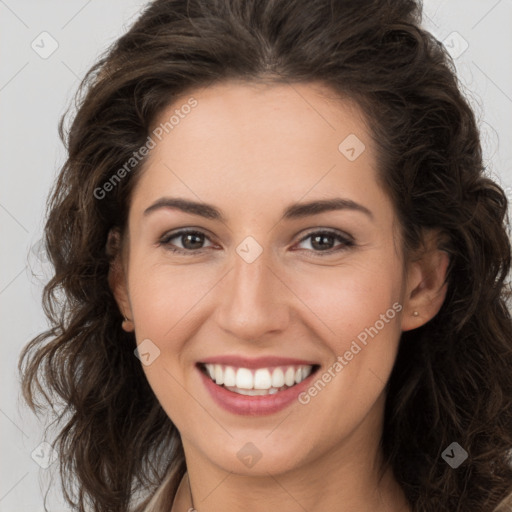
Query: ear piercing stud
column 415, row 313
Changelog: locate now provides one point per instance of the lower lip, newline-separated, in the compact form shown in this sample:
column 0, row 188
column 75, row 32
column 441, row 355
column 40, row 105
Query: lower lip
column 254, row 405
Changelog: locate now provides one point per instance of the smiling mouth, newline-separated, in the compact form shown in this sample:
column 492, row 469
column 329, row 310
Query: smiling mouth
column 259, row 381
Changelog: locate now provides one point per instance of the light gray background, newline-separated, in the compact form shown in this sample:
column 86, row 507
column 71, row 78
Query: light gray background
column 34, row 93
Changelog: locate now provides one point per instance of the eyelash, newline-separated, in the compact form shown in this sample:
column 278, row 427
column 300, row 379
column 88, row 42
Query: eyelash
column 346, row 242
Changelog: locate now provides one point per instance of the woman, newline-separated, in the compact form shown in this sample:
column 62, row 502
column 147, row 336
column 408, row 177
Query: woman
column 283, row 270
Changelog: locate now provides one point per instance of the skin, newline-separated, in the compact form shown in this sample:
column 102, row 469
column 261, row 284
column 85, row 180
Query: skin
column 251, row 150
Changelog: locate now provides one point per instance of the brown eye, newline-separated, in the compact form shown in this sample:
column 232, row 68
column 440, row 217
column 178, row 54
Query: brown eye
column 192, row 240
column 325, row 242
column 184, row 241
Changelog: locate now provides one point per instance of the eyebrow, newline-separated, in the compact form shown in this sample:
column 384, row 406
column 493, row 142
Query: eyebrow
column 293, row 211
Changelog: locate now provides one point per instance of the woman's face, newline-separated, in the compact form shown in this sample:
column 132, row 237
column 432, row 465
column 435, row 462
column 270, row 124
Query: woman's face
column 293, row 267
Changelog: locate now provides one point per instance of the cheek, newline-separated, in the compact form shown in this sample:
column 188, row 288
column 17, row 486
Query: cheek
column 164, row 297
column 165, row 301
column 357, row 318
column 356, row 315
column 350, row 298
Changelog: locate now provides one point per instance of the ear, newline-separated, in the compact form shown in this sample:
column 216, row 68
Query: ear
column 117, row 278
column 426, row 284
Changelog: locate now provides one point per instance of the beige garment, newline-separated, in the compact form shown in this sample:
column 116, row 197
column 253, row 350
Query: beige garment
column 169, row 499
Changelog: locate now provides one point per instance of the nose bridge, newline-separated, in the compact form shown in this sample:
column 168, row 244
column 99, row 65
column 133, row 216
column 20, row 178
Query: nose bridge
column 252, row 301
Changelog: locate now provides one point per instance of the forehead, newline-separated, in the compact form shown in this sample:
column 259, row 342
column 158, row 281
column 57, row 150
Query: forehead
column 259, row 142
column 259, row 114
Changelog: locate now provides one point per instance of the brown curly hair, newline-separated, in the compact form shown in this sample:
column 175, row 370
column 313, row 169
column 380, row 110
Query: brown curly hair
column 452, row 377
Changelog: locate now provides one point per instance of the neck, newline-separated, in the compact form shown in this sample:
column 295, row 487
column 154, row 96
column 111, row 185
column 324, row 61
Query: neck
column 279, row 492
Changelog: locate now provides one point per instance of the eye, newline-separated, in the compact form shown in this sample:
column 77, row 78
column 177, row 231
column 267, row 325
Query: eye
column 191, row 241
column 323, row 242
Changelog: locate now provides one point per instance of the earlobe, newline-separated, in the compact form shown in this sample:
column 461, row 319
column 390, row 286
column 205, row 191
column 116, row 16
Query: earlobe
column 426, row 285
column 127, row 325
column 117, row 279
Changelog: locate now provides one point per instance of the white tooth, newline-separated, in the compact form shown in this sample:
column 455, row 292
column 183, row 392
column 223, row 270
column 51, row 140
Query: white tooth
column 289, row 376
column 244, row 378
column 219, row 374
column 210, row 368
column 262, row 379
column 249, row 392
column 306, row 372
column 277, row 378
column 229, row 376
column 298, row 375
column 272, row 391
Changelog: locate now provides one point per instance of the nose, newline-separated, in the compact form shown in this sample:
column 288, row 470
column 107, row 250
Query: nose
column 253, row 300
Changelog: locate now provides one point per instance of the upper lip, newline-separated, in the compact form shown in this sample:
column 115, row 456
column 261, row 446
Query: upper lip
column 257, row 362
